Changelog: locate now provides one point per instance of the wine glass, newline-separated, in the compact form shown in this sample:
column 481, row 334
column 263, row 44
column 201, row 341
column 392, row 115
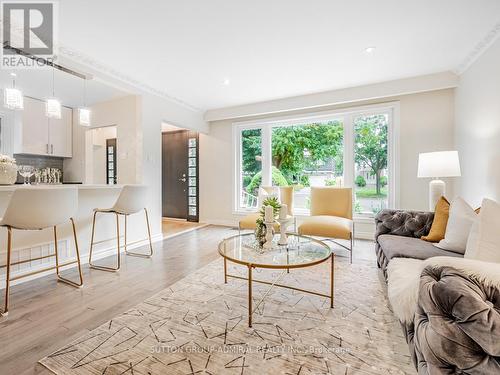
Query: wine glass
column 26, row 171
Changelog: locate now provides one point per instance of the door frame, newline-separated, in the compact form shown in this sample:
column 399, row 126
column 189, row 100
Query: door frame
column 192, row 190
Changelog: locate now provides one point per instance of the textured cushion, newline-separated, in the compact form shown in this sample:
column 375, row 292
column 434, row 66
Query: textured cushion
column 457, row 324
column 484, row 240
column 407, row 247
column 327, row 226
column 403, row 223
column 438, row 227
column 460, row 222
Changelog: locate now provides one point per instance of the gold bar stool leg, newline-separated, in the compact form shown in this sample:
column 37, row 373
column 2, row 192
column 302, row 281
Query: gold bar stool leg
column 5, row 311
column 104, row 268
column 149, row 238
column 59, row 277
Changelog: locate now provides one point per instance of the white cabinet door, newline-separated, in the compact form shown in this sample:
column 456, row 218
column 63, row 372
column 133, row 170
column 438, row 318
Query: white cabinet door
column 60, row 134
column 34, row 132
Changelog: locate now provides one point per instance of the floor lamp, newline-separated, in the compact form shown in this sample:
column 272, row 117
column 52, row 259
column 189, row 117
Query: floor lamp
column 436, row 165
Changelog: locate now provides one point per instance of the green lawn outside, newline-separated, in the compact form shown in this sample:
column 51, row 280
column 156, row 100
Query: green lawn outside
column 371, row 192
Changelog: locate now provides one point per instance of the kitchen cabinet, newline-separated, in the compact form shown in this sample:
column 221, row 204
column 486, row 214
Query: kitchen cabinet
column 36, row 134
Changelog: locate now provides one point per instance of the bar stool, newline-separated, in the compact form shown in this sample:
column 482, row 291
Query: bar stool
column 37, row 209
column 130, row 201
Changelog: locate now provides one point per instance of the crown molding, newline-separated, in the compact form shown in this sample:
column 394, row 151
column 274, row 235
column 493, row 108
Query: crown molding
column 109, row 71
column 478, row 50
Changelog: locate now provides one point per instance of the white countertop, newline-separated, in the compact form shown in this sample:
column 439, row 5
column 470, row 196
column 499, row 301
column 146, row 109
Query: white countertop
column 48, row 186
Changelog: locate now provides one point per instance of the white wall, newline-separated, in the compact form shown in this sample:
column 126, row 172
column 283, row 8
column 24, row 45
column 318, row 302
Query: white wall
column 426, row 124
column 477, row 132
column 99, row 137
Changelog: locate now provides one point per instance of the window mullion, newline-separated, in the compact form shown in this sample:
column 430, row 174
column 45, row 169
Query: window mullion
column 267, row 155
column 348, row 151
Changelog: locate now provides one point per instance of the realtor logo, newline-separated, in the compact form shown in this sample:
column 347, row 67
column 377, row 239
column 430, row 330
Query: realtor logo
column 28, row 30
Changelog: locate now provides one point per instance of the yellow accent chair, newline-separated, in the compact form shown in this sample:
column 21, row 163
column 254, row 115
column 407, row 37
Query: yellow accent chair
column 331, row 216
column 286, row 197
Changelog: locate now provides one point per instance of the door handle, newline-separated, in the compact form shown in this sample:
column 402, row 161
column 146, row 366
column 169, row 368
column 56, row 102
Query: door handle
column 51, row 149
column 47, row 147
column 182, row 179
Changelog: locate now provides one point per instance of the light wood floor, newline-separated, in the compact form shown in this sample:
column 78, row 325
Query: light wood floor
column 174, row 227
column 45, row 315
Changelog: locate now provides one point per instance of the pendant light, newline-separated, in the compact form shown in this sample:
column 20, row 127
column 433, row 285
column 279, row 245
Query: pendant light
column 12, row 97
column 84, row 112
column 53, row 105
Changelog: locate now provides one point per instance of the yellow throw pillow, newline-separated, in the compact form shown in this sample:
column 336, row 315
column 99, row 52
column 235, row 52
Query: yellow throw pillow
column 438, row 227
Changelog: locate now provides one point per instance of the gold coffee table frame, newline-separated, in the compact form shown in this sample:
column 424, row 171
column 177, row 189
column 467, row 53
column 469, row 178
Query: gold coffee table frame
column 285, row 267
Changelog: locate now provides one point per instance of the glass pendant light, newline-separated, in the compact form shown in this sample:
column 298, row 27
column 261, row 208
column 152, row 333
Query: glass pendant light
column 12, row 97
column 53, row 105
column 84, row 112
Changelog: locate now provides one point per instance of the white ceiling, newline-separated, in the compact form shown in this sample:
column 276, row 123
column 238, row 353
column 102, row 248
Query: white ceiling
column 273, row 49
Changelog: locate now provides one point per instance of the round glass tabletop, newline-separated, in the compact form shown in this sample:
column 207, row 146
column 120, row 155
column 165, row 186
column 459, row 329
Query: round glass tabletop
column 301, row 251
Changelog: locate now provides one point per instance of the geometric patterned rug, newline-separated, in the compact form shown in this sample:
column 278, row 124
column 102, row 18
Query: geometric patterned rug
column 199, row 326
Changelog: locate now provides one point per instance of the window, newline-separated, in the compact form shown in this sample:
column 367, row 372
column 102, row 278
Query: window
column 305, row 155
column 251, row 168
column 353, row 148
column 370, row 163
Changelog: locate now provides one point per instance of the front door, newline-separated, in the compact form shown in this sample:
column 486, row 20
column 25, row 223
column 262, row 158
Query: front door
column 175, row 174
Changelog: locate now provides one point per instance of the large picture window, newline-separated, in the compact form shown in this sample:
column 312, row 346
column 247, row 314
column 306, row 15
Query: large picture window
column 343, row 149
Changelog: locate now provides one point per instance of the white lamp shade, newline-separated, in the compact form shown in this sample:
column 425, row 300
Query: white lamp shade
column 84, row 116
column 13, row 99
column 439, row 164
column 53, row 108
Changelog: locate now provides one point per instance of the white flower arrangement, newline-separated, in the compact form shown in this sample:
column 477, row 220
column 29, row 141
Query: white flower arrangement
column 5, row 159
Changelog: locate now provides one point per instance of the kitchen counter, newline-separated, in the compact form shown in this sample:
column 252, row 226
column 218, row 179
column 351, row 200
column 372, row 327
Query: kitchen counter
column 54, row 186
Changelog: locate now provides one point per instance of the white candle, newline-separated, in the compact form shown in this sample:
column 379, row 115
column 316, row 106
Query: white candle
column 268, row 214
column 283, row 211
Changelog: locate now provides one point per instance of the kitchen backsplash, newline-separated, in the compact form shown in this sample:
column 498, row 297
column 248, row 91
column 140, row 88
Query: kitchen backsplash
column 38, row 162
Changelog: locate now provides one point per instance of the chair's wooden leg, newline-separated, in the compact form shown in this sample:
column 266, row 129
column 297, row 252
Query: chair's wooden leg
column 149, row 238
column 5, row 311
column 104, row 268
column 59, row 277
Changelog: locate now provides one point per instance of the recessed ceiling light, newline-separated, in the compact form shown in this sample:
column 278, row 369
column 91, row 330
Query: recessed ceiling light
column 370, row 50
column 227, row 82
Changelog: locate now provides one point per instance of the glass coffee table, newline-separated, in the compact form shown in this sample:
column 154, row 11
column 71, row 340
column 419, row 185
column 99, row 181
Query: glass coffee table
column 300, row 252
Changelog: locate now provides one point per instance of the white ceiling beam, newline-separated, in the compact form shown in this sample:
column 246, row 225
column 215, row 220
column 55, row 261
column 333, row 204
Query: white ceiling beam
column 430, row 82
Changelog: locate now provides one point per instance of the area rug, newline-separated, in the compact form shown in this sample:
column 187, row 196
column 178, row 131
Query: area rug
column 199, row 326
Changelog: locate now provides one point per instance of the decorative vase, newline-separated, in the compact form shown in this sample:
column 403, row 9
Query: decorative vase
column 8, row 173
column 260, row 233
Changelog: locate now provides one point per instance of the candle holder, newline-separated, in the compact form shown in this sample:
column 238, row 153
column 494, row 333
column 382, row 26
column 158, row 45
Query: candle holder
column 283, row 227
column 269, row 235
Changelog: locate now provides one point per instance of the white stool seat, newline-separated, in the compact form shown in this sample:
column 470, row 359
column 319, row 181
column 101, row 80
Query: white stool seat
column 37, row 208
column 131, row 200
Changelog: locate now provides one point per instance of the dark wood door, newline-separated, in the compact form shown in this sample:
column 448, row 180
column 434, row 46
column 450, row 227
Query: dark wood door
column 111, row 176
column 175, row 174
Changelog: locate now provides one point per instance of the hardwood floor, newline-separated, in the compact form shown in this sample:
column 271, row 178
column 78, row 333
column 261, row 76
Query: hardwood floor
column 171, row 227
column 45, row 314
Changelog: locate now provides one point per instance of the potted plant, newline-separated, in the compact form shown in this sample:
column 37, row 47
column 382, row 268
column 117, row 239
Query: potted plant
column 261, row 229
column 8, row 170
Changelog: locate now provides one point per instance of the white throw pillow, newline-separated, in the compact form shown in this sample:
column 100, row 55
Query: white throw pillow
column 472, row 241
column 484, row 243
column 459, row 225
